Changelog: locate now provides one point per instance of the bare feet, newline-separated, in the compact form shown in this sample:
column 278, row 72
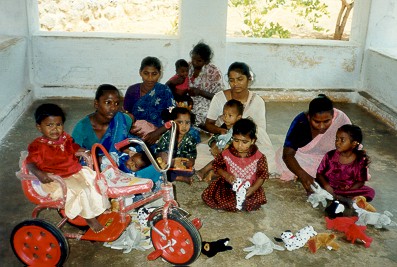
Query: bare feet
column 188, row 180
column 200, row 174
column 210, row 176
column 95, row 225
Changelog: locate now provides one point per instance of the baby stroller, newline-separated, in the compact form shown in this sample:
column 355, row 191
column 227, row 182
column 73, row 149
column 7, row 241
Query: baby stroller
column 38, row 242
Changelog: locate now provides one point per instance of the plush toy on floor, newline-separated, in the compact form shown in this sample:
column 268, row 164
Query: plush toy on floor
column 335, row 209
column 341, row 224
column 348, row 226
column 292, row 242
column 361, row 202
column 319, row 196
column 355, row 232
column 262, row 245
column 322, row 240
column 379, row 220
column 240, row 188
column 210, row 249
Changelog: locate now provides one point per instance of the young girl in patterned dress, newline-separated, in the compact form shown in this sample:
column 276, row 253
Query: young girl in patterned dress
column 186, row 141
column 241, row 160
column 344, row 170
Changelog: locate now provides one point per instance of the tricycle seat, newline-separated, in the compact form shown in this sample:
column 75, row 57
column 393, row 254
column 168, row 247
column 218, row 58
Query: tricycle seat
column 121, row 184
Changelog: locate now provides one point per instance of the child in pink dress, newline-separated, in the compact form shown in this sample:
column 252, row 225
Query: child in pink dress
column 241, row 160
column 344, row 171
column 54, row 153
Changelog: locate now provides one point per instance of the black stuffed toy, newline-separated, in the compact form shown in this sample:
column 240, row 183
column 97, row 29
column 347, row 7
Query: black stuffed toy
column 335, row 209
column 210, row 249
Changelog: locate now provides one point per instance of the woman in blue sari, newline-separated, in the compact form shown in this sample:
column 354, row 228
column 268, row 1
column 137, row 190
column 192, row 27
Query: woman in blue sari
column 147, row 100
column 106, row 125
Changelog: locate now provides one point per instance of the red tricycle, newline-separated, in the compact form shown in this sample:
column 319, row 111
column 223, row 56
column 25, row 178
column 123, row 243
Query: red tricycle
column 37, row 242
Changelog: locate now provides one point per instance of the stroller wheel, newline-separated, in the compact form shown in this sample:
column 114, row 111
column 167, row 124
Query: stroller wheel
column 39, row 243
column 182, row 242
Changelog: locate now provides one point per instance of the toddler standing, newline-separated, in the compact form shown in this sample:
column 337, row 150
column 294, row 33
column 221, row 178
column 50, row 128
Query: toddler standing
column 54, row 153
column 241, row 160
column 344, row 170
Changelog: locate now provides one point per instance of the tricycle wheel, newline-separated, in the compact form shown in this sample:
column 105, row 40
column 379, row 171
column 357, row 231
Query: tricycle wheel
column 183, row 239
column 39, row 243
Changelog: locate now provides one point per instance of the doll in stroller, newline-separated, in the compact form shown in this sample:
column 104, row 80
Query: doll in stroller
column 175, row 238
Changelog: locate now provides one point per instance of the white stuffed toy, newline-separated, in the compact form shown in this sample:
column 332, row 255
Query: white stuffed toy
column 319, row 196
column 262, row 245
column 292, row 242
column 377, row 219
column 240, row 188
column 223, row 139
column 130, row 239
column 143, row 215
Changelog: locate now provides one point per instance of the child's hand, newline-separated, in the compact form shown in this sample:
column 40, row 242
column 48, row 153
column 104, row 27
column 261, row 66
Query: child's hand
column 329, row 189
column 230, row 178
column 250, row 191
column 214, row 150
column 44, row 178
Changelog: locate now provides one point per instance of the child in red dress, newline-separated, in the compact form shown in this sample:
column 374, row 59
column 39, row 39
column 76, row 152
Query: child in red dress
column 344, row 171
column 54, row 153
column 241, row 160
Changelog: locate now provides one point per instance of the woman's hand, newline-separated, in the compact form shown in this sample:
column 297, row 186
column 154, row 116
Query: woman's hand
column 152, row 137
column 194, row 91
column 137, row 131
column 307, row 181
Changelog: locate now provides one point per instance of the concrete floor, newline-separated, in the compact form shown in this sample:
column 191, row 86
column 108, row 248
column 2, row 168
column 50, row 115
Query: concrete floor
column 286, row 209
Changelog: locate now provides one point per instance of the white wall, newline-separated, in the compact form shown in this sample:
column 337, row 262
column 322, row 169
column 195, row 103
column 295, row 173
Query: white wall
column 74, row 66
column 288, row 64
column 13, row 17
column 379, row 77
column 74, row 62
column 15, row 88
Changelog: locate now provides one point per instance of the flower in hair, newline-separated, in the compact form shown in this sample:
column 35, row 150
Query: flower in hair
column 170, row 109
column 360, row 147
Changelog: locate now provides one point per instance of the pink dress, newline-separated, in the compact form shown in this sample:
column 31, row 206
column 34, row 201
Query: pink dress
column 220, row 195
column 342, row 176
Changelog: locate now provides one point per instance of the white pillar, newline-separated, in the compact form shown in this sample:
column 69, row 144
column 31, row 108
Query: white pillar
column 204, row 20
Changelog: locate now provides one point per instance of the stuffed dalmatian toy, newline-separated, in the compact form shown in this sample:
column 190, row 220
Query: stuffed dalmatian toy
column 292, row 242
column 240, row 188
column 143, row 214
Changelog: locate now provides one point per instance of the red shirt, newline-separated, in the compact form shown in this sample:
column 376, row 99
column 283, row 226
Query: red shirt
column 57, row 157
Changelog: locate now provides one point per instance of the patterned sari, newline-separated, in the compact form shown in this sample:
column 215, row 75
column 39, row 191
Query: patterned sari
column 310, row 156
column 210, row 80
column 150, row 106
